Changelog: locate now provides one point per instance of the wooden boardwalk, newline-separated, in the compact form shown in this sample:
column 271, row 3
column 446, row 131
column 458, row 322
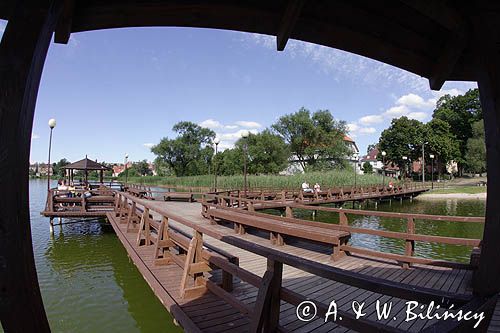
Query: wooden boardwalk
column 215, row 310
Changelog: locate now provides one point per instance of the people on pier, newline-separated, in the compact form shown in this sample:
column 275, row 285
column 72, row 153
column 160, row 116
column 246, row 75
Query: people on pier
column 306, row 188
column 317, row 188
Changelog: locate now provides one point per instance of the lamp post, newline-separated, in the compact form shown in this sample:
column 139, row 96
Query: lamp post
column 216, row 142
column 126, row 169
column 405, row 158
column 423, row 161
column 244, row 135
column 52, row 124
column 355, row 169
column 432, row 170
column 383, row 167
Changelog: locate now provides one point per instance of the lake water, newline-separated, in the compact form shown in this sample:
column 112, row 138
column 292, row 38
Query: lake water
column 88, row 283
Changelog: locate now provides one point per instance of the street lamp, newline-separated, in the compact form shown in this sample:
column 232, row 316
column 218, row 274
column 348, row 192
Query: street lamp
column 244, row 135
column 355, row 168
column 383, row 167
column 126, row 169
column 432, row 170
column 405, row 158
column 423, row 161
column 216, row 142
column 52, row 124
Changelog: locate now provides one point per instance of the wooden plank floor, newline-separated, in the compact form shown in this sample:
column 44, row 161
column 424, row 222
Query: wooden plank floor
column 211, row 314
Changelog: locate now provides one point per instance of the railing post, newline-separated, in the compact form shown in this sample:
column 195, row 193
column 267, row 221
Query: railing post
column 267, row 306
column 289, row 211
column 410, row 243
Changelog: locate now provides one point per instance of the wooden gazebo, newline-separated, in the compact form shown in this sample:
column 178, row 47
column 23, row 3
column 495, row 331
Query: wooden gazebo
column 440, row 40
column 85, row 165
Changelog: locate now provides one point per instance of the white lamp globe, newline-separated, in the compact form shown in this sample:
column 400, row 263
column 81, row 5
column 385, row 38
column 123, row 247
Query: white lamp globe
column 245, row 134
column 216, row 141
column 52, row 123
column 384, row 153
column 126, row 156
column 431, row 155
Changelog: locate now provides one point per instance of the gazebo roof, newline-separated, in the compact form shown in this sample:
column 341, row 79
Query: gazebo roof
column 86, row 164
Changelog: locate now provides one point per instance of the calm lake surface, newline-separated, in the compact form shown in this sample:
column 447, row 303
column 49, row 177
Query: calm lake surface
column 88, row 283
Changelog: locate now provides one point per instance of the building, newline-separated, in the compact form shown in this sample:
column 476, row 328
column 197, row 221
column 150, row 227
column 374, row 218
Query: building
column 373, row 158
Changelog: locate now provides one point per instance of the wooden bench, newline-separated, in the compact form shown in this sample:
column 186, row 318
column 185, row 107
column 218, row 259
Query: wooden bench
column 165, row 238
column 136, row 192
column 277, row 229
column 180, row 196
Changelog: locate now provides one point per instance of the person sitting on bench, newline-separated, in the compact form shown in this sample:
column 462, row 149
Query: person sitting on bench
column 306, row 188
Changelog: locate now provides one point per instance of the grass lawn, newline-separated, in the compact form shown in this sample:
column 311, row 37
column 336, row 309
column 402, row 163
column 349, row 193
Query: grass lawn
column 461, row 189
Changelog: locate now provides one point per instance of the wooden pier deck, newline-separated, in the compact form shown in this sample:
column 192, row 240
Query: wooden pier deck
column 211, row 308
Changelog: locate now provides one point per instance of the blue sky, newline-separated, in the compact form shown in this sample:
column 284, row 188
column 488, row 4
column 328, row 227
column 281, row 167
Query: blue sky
column 120, row 91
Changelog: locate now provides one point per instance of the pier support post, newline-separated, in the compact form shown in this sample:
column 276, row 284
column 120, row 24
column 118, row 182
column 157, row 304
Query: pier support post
column 487, row 39
column 51, row 225
column 23, row 50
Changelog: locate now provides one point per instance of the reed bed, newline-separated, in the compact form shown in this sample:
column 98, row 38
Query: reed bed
column 325, row 179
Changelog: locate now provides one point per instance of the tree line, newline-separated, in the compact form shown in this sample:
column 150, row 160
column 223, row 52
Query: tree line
column 315, row 140
column 455, row 133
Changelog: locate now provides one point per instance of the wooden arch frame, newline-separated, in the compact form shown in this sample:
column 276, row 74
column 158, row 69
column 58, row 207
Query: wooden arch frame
column 438, row 42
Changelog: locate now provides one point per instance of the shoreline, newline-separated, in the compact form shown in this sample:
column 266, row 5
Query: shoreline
column 432, row 196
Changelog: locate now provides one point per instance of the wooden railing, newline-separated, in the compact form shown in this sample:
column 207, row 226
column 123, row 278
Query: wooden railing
column 77, row 198
column 247, row 206
column 265, row 314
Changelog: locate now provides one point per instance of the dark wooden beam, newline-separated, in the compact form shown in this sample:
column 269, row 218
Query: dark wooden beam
column 23, row 50
column 290, row 17
column 447, row 59
column 438, row 11
column 487, row 39
column 64, row 24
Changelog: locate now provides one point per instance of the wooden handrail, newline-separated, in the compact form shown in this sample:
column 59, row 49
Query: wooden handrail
column 410, row 236
column 373, row 284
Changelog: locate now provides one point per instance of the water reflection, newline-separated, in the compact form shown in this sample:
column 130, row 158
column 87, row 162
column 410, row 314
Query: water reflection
column 455, row 207
column 87, row 281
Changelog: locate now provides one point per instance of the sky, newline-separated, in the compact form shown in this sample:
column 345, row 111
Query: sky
column 120, row 91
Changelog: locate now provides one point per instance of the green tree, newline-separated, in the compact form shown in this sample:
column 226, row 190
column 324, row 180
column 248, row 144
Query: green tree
column 317, row 139
column 371, row 147
column 475, row 156
column 367, row 168
column 57, row 168
column 441, row 142
column 402, row 138
column 267, row 152
column 188, row 154
column 460, row 112
column 142, row 168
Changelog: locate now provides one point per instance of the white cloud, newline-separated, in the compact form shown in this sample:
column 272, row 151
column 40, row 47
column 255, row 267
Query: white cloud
column 371, row 119
column 352, row 127
column 417, row 115
column 34, row 136
column 367, row 130
column 231, row 127
column 233, row 136
column 415, row 101
column 248, row 124
column 148, row 145
column 344, row 65
column 451, row 92
column 210, row 123
column 396, row 111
